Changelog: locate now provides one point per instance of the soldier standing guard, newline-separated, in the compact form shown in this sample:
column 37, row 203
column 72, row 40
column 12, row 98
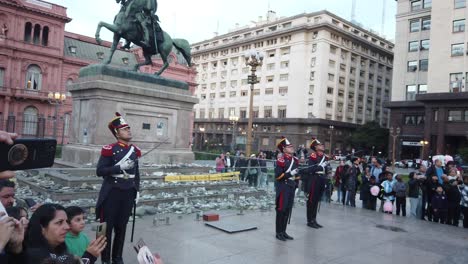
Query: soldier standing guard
column 285, row 172
column 118, row 165
column 314, row 183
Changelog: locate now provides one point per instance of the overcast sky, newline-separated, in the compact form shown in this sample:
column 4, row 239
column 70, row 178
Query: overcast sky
column 198, row 20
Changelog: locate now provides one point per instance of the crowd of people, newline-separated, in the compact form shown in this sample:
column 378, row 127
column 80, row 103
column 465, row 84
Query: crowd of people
column 438, row 193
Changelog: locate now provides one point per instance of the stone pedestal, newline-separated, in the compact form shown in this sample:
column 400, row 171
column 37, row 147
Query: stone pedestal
column 158, row 110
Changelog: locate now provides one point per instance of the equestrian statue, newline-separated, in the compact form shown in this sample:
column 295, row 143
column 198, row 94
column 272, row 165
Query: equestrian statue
column 137, row 23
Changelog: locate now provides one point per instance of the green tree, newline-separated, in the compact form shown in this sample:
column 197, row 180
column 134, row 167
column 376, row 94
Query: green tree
column 370, row 135
column 464, row 154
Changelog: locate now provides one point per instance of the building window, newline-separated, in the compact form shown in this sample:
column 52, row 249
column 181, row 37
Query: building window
column 283, row 91
column 456, row 82
column 416, row 5
column 244, row 93
column 2, row 76
column 222, row 95
column 243, row 113
column 268, row 91
column 333, row 49
column 423, row 65
column 412, row 66
column 413, row 46
column 234, row 84
column 285, row 51
column 460, row 3
column 37, row 34
column 426, row 23
column 331, row 77
column 270, row 66
column 312, row 62
column 284, row 77
column 30, row 121
column 33, row 78
column 202, row 113
column 455, row 115
column 427, row 3
column 329, row 104
column 410, row 92
column 232, row 94
column 255, row 112
column 330, row 90
column 422, row 89
column 27, row 32
column 281, row 111
column 284, row 64
column 414, row 120
column 414, row 25
column 457, row 49
column 312, row 76
column 267, row 112
column 435, row 114
column 459, row 25
column 425, row 44
column 45, row 36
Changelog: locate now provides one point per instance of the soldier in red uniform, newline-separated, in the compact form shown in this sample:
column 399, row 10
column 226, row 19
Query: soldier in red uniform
column 286, row 172
column 314, row 182
column 118, row 166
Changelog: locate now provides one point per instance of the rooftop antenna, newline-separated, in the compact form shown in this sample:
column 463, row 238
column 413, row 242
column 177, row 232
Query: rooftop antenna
column 383, row 18
column 353, row 11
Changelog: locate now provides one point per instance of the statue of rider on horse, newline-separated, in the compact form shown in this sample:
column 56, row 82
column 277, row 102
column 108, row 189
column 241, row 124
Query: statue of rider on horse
column 137, row 23
column 145, row 13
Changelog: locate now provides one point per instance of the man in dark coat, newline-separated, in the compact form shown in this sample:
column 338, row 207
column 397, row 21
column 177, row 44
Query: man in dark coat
column 314, row 181
column 286, row 183
column 118, row 165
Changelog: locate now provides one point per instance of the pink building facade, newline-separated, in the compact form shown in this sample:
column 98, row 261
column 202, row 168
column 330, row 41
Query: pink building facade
column 38, row 58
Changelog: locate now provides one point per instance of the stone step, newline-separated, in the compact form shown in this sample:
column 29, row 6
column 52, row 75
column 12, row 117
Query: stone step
column 62, row 195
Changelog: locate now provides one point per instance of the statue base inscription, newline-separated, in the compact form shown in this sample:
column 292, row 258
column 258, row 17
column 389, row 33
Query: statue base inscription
column 158, row 110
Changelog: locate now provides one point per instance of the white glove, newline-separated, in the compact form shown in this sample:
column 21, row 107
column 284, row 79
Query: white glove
column 294, row 172
column 137, row 198
column 127, row 164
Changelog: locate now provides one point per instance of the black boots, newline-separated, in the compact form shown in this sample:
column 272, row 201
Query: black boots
column 280, row 236
column 314, row 224
column 288, row 237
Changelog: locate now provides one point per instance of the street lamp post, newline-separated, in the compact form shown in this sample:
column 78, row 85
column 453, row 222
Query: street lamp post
column 394, row 133
column 202, row 141
column 56, row 99
column 423, row 144
column 331, row 139
column 253, row 59
column 233, row 120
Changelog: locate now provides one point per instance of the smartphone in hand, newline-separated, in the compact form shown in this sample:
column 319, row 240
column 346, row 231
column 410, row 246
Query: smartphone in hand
column 27, row 153
column 30, row 202
column 101, row 230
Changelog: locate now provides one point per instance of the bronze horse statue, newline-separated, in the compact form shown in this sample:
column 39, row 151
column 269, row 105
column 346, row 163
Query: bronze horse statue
column 125, row 26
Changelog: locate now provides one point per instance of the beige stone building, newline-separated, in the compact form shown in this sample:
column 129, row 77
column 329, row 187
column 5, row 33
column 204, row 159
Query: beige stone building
column 319, row 70
column 429, row 99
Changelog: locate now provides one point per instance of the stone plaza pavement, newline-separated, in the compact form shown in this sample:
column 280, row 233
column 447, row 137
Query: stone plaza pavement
column 350, row 235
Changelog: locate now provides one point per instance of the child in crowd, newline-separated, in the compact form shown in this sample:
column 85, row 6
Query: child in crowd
column 77, row 242
column 372, row 202
column 464, row 201
column 431, row 191
column 439, row 205
column 400, row 188
column 387, row 186
column 365, row 189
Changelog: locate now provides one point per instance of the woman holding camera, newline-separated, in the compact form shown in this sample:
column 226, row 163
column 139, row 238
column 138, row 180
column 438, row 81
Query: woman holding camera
column 46, row 237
